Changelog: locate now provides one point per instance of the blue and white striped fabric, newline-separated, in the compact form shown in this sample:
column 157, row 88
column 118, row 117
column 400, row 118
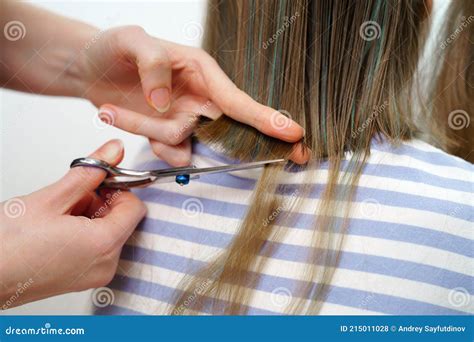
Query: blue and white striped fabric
column 408, row 250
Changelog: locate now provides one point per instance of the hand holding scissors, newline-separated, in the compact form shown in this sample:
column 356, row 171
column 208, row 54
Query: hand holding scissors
column 66, row 237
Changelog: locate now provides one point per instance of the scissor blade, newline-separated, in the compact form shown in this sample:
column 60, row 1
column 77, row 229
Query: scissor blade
column 126, row 183
column 214, row 169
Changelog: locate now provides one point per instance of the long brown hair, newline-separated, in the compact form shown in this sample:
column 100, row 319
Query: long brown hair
column 344, row 71
column 453, row 93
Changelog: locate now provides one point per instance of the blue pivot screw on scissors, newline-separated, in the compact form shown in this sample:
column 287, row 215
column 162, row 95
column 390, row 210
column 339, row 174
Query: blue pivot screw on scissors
column 119, row 178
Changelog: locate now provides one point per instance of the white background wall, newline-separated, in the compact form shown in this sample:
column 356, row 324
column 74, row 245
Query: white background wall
column 41, row 135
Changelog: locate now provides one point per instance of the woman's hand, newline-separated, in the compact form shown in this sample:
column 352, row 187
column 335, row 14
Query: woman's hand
column 143, row 85
column 158, row 89
column 65, row 237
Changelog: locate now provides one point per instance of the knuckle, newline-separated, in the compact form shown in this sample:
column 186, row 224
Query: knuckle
column 180, row 159
column 203, row 54
column 133, row 29
column 126, row 31
column 193, row 65
column 109, row 273
column 104, row 275
column 135, row 126
column 258, row 122
column 172, row 135
column 105, row 243
column 82, row 174
column 159, row 59
column 157, row 148
column 173, row 138
column 211, row 59
column 125, row 35
column 234, row 100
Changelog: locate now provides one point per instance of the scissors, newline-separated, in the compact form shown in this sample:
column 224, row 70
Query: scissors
column 119, row 178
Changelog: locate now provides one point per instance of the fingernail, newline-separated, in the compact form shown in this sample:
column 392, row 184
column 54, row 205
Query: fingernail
column 160, row 99
column 107, row 116
column 112, row 149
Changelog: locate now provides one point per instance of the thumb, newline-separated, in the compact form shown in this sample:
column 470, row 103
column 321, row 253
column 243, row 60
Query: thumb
column 81, row 181
column 154, row 69
column 153, row 63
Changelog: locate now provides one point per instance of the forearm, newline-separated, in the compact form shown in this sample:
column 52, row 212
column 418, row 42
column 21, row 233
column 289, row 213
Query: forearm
column 44, row 56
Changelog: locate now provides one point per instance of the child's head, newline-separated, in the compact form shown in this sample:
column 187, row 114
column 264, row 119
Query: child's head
column 342, row 69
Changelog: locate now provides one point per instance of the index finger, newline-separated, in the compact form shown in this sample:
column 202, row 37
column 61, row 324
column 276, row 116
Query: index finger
column 241, row 107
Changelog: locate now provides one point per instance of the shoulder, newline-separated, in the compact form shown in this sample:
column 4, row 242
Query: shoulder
column 420, row 162
column 422, row 184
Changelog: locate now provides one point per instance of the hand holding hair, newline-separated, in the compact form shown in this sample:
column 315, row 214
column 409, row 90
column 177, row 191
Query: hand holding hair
column 167, row 87
column 142, row 84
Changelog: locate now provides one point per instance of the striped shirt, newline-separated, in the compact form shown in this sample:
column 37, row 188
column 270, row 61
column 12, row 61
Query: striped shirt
column 408, row 248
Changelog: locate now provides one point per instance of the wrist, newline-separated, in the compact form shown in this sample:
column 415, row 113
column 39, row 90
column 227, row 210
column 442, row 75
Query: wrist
column 8, row 274
column 79, row 68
